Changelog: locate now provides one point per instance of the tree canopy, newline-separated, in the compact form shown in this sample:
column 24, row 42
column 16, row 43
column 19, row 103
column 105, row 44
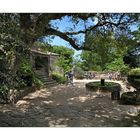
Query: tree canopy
column 34, row 26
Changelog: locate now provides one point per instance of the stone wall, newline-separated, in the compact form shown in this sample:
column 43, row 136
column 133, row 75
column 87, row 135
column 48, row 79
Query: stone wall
column 53, row 65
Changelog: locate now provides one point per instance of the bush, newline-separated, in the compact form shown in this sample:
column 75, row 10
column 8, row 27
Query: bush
column 4, row 90
column 25, row 73
column 129, row 98
column 134, row 77
column 37, row 82
column 135, row 71
column 124, row 70
column 59, row 78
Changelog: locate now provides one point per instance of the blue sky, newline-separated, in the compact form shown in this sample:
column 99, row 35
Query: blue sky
column 67, row 25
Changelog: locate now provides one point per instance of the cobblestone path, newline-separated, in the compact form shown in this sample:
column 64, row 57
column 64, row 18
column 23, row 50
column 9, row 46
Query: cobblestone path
column 67, row 106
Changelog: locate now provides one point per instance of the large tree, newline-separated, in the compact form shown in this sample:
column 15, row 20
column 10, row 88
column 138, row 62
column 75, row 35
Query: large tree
column 133, row 54
column 108, row 47
column 34, row 26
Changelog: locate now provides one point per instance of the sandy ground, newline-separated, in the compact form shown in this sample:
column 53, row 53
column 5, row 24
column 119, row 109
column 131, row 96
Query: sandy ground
column 68, row 106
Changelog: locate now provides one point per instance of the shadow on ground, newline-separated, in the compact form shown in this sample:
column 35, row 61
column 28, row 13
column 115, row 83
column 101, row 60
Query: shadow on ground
column 67, row 106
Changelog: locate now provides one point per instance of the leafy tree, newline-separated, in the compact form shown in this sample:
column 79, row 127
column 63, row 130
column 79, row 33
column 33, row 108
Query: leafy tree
column 108, row 51
column 132, row 56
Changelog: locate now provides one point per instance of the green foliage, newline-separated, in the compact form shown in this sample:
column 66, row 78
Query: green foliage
column 25, row 74
column 11, row 50
column 4, row 90
column 59, row 78
column 108, row 52
column 135, row 71
column 37, row 82
column 124, row 70
column 90, row 61
column 134, row 78
column 25, row 67
column 118, row 65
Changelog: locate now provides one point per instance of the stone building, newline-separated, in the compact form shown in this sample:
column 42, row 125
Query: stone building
column 44, row 64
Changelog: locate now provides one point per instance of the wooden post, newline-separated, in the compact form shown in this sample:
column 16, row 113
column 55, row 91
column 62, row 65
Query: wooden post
column 102, row 82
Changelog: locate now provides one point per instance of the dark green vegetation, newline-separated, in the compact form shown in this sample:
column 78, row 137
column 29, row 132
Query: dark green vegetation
column 109, row 51
column 130, row 98
column 59, row 78
column 134, row 78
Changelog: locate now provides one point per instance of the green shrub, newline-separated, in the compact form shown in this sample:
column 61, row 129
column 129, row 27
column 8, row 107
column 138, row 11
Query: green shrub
column 25, row 73
column 37, row 82
column 4, row 90
column 124, row 70
column 59, row 78
column 134, row 77
column 135, row 71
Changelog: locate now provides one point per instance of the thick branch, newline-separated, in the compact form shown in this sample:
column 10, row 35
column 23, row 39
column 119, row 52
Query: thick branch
column 99, row 24
column 51, row 31
column 64, row 36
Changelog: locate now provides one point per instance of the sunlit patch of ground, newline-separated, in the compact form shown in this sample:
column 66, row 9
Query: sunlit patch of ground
column 68, row 106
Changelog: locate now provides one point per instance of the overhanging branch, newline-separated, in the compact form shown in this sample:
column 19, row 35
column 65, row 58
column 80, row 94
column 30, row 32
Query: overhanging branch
column 64, row 36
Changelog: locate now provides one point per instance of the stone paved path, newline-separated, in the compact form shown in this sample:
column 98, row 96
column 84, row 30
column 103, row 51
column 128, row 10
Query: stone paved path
column 67, row 106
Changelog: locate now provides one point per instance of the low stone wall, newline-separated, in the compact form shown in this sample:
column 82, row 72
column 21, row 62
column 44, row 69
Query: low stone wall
column 115, row 87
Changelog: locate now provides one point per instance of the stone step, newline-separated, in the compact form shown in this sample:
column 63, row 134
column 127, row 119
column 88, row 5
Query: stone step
column 45, row 77
column 42, row 74
column 50, row 84
column 51, row 81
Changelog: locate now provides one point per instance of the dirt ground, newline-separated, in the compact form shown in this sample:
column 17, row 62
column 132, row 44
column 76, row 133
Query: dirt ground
column 68, row 106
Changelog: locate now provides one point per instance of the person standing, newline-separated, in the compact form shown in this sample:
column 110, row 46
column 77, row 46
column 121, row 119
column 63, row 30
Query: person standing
column 110, row 76
column 70, row 77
